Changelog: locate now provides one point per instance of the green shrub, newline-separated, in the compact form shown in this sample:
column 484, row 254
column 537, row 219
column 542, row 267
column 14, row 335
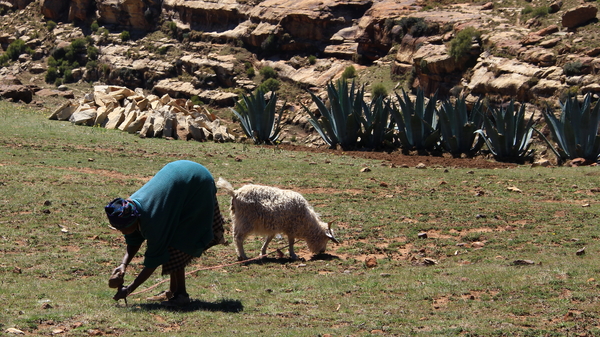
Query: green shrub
column 460, row 46
column 269, row 44
column 407, row 22
column 378, row 90
column 90, row 65
column 50, row 25
column 78, row 44
column 573, row 68
column 250, row 72
column 541, row 11
column 4, row 59
column 52, row 62
column 268, row 72
column 92, row 53
column 162, row 50
column 312, row 59
column 68, row 76
column 125, row 36
column 17, row 48
column 526, row 10
column 422, row 28
column 94, row 27
column 349, row 72
column 196, row 100
column 51, row 75
column 270, row 84
column 70, row 54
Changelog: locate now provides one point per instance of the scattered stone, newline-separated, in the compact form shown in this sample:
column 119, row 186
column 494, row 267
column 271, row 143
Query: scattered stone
column 17, row 270
column 422, row 235
column 365, row 169
column 555, row 6
column 429, row 262
column 477, row 244
column 514, row 189
column 14, row 331
column 487, row 6
column 371, row 262
column 580, row 252
column 580, row 162
column 523, row 262
column 541, row 163
column 421, row 166
column 150, row 116
column 385, row 274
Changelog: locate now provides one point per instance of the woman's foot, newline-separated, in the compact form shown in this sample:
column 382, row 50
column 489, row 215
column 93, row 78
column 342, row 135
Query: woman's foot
column 178, row 300
column 164, row 295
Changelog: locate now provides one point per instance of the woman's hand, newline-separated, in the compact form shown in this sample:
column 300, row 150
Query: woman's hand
column 117, row 278
column 123, row 292
column 120, row 269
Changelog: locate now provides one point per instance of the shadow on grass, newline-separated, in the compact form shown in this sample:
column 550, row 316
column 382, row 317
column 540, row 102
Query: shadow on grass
column 225, row 305
column 284, row 260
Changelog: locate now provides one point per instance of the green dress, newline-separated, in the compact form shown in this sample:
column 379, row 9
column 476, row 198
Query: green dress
column 176, row 210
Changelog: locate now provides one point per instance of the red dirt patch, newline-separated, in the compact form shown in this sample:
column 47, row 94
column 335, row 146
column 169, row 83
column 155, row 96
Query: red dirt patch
column 397, row 158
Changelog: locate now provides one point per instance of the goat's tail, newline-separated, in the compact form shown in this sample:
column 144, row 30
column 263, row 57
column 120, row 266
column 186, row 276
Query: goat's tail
column 224, row 184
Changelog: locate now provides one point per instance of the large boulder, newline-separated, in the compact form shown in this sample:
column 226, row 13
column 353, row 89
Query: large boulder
column 578, row 16
column 16, row 92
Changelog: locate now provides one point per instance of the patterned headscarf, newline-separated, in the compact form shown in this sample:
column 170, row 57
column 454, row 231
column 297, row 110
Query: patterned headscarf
column 121, row 213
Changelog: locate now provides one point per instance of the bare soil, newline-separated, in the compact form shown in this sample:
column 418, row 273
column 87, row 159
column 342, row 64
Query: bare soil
column 399, row 159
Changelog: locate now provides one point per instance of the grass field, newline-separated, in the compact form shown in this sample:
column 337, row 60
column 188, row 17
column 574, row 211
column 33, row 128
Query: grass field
column 57, row 250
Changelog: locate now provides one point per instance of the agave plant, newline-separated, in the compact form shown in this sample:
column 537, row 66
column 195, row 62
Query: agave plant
column 257, row 117
column 507, row 133
column 458, row 126
column 377, row 128
column 340, row 123
column 576, row 132
column 417, row 122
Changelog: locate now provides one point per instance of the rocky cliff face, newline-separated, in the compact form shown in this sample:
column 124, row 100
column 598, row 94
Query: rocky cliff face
column 517, row 54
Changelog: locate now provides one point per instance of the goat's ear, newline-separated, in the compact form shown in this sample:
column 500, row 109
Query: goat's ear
column 329, row 234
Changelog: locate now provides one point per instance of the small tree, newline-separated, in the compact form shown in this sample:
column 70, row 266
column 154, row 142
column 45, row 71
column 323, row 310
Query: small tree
column 460, row 46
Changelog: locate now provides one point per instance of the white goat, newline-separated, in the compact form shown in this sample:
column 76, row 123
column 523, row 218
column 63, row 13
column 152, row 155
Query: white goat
column 268, row 211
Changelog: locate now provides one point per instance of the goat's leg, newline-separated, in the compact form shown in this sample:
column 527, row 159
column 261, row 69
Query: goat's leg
column 239, row 238
column 268, row 238
column 291, row 247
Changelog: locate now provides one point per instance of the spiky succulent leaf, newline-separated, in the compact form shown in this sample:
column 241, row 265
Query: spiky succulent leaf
column 257, row 117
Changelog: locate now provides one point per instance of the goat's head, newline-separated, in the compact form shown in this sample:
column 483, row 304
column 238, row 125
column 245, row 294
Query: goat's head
column 319, row 246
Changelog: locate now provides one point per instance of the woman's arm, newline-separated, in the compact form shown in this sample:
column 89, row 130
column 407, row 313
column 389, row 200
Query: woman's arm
column 123, row 292
column 129, row 254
